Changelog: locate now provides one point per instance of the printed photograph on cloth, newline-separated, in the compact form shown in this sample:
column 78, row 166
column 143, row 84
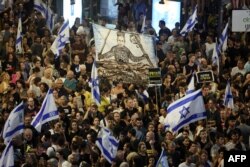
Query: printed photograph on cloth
column 123, row 56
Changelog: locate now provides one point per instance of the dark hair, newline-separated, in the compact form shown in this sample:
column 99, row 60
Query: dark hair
column 162, row 22
column 132, row 132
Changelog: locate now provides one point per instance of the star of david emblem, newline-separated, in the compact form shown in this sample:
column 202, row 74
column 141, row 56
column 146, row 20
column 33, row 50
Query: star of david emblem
column 61, row 40
column 184, row 112
column 95, row 82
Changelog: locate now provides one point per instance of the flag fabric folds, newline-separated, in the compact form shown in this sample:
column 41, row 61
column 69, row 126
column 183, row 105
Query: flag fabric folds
column 163, row 159
column 41, row 7
column 191, row 86
column 107, row 143
column 48, row 112
column 223, row 39
column 228, row 98
column 95, row 91
column 215, row 57
column 7, row 158
column 192, row 20
column 185, row 110
column 14, row 125
column 62, row 39
column 19, row 48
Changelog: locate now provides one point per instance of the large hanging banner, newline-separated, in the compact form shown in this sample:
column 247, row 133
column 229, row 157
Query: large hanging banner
column 123, row 56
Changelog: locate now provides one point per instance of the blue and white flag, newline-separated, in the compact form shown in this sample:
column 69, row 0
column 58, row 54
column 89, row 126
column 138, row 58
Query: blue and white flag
column 94, row 84
column 192, row 20
column 185, row 110
column 14, row 125
column 107, row 143
column 223, row 39
column 7, row 158
column 62, row 39
column 19, row 48
column 215, row 57
column 163, row 159
column 48, row 112
column 44, row 9
column 228, row 98
column 191, row 86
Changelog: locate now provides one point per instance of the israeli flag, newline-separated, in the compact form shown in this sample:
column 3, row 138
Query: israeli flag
column 19, row 48
column 14, row 125
column 185, row 110
column 41, row 7
column 190, row 23
column 223, row 39
column 94, row 84
column 108, row 144
column 48, row 112
column 61, row 40
column 215, row 57
column 163, row 159
column 228, row 98
column 7, row 158
column 191, row 86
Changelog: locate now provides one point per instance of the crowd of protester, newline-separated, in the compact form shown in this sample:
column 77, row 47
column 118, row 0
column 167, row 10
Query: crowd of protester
column 135, row 119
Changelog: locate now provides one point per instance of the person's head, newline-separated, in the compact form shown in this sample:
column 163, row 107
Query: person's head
column 70, row 75
column 151, row 127
column 193, row 147
column 131, row 133
column 120, row 39
column 28, row 134
column 27, row 120
column 234, row 135
column 150, row 136
column 188, row 157
column 74, row 125
column 110, row 120
column 117, row 117
column 169, row 136
column 96, row 121
column 162, row 23
column 63, row 100
column 139, row 122
column 31, row 102
column 203, row 156
column 186, row 142
column 142, row 147
column 191, row 58
column 79, row 116
column 171, row 146
column 59, row 83
column 203, row 134
column 220, row 139
column 231, row 121
column 205, row 90
column 240, row 64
